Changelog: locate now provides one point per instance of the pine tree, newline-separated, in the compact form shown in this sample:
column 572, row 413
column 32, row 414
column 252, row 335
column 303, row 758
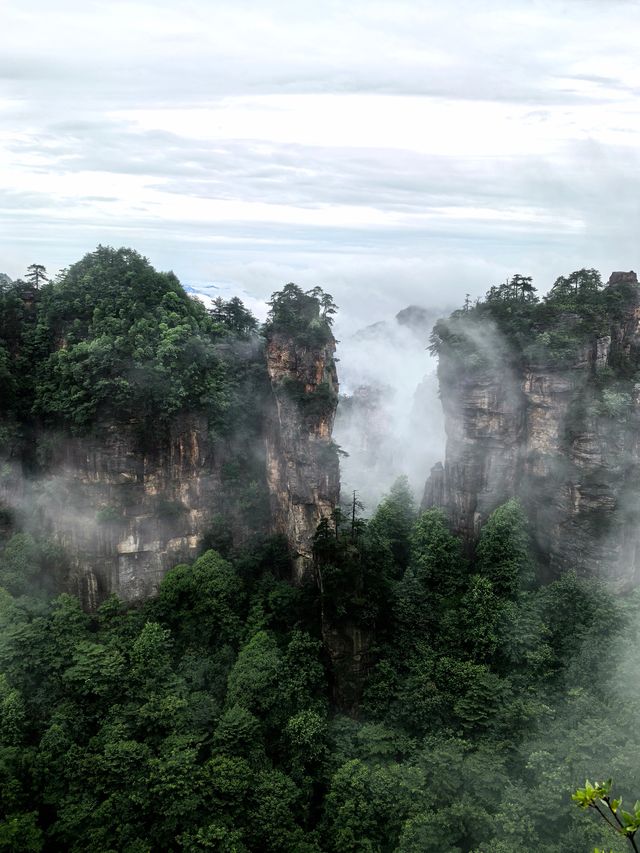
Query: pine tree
column 36, row 274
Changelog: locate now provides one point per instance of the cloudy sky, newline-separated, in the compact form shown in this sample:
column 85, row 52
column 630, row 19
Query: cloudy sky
column 391, row 152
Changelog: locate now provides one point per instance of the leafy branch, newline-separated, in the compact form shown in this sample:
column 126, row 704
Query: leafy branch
column 597, row 796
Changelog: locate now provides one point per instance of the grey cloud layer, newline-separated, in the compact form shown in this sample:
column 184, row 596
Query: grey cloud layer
column 451, row 221
column 161, row 50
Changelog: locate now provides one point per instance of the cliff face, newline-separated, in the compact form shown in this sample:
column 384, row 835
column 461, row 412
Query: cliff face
column 564, row 439
column 123, row 514
column 155, row 507
column 127, row 507
column 302, row 463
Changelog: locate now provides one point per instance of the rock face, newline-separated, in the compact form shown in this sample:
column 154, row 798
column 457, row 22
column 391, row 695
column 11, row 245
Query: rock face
column 302, row 463
column 349, row 650
column 128, row 507
column 564, row 439
column 123, row 514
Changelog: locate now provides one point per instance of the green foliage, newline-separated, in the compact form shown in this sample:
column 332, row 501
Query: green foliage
column 436, row 555
column 109, row 515
column 112, row 342
column 36, row 274
column 312, row 404
column 518, row 289
column 597, row 796
column 253, row 681
column 128, row 343
column 573, row 291
column 502, row 554
column 202, row 602
column 307, row 316
column 30, row 567
column 354, row 568
column 435, row 577
column 238, row 734
column 19, row 833
column 233, row 316
column 209, row 718
column 393, row 520
column 203, row 719
column 615, row 404
column 511, row 326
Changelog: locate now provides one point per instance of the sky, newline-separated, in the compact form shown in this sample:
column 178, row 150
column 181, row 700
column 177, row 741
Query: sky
column 391, row 152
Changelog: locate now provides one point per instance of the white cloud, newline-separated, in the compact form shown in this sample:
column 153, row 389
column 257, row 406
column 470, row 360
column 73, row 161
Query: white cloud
column 392, row 152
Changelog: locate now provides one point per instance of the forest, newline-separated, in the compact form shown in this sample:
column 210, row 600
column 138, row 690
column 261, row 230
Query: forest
column 213, row 717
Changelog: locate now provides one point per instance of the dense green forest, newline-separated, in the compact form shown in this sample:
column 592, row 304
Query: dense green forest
column 204, row 719
column 212, row 718
column 112, row 338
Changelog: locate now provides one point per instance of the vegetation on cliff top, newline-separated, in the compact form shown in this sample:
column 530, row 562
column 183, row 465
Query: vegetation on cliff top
column 112, row 339
column 307, row 316
column 578, row 324
column 577, row 310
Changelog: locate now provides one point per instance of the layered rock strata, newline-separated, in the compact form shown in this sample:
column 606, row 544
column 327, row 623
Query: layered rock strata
column 553, row 437
column 128, row 507
column 302, row 462
column 123, row 514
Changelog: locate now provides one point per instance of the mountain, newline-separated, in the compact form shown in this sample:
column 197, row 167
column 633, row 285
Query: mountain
column 541, row 403
column 137, row 427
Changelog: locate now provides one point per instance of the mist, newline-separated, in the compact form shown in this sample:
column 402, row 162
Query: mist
column 389, row 419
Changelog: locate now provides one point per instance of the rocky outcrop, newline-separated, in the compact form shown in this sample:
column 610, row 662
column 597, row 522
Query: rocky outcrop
column 124, row 514
column 565, row 439
column 302, row 461
column 349, row 650
column 128, row 506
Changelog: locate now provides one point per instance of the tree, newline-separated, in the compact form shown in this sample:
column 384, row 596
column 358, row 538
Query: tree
column 436, row 559
column 201, row 602
column 329, row 307
column 578, row 283
column 393, row 520
column 503, row 549
column 36, row 274
column 239, row 735
column 435, row 578
column 136, row 348
column 523, row 288
column 233, row 315
column 519, row 288
column 254, row 679
column 307, row 315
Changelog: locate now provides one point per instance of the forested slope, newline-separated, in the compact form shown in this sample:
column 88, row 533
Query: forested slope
column 206, row 719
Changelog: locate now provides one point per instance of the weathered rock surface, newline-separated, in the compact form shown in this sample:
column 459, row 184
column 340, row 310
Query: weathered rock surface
column 536, row 431
column 302, row 462
column 127, row 507
column 123, row 514
column 349, row 650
